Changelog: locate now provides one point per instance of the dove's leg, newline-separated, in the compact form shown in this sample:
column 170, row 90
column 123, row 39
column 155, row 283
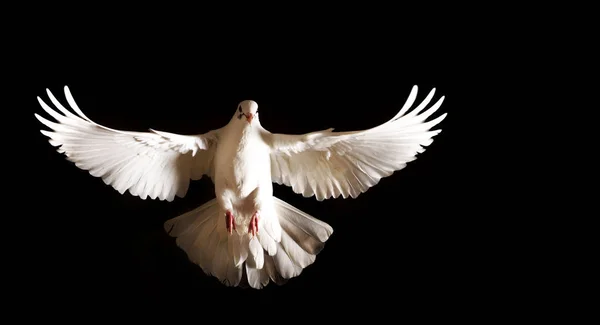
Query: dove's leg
column 255, row 198
column 229, row 222
column 253, row 226
column 224, row 201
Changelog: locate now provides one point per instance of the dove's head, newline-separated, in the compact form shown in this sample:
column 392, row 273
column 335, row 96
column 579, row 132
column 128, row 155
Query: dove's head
column 247, row 110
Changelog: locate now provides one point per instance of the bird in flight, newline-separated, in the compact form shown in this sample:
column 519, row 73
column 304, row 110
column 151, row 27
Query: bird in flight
column 245, row 235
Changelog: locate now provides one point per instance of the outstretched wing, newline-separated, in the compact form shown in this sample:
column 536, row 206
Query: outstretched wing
column 149, row 164
column 328, row 164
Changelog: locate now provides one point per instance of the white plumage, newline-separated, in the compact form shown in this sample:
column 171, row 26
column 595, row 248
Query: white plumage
column 245, row 228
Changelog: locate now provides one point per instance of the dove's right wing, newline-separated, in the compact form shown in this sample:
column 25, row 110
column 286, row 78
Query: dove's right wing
column 149, row 164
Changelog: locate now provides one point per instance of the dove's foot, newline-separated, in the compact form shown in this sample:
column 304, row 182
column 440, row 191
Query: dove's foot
column 229, row 222
column 253, row 226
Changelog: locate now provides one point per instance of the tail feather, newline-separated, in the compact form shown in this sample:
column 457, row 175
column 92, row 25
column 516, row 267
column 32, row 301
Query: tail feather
column 267, row 243
column 190, row 221
column 257, row 253
column 285, row 265
column 257, row 277
column 311, row 226
column 237, row 248
column 271, row 271
column 295, row 252
column 280, row 251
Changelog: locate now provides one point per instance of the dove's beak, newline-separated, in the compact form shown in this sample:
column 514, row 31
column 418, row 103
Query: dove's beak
column 249, row 117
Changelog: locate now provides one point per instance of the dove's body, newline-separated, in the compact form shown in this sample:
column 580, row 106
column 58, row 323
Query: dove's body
column 242, row 172
column 233, row 168
column 245, row 227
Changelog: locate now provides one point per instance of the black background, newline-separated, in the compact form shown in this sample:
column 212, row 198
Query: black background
column 412, row 240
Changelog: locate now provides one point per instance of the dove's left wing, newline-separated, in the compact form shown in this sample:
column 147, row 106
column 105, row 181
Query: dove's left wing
column 328, row 164
column 149, row 164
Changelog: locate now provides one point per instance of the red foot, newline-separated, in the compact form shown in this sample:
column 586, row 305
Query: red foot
column 253, row 226
column 229, row 222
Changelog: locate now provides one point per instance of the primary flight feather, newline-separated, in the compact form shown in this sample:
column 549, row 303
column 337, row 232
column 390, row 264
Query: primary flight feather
column 245, row 226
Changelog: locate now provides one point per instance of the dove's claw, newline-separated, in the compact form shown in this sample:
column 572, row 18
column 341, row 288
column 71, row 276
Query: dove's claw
column 253, row 226
column 229, row 222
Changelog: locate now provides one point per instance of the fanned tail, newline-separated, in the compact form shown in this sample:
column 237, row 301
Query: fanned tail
column 283, row 247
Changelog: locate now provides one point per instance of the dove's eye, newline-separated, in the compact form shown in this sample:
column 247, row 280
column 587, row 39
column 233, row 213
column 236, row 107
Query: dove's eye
column 240, row 108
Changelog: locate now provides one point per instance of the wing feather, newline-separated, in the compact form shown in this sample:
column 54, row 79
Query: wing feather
column 153, row 164
column 330, row 164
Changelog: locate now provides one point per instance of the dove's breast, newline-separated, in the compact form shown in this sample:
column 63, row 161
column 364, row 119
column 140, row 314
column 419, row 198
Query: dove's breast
column 242, row 164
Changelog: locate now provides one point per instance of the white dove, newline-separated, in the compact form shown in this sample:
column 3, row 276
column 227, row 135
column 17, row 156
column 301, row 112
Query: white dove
column 245, row 227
